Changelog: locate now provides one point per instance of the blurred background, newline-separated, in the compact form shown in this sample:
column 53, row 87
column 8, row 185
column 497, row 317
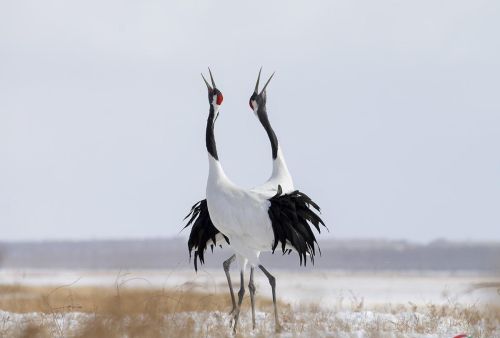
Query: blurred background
column 388, row 113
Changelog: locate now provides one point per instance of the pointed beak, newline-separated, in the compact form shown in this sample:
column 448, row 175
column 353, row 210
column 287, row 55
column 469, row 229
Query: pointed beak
column 208, row 86
column 212, row 78
column 264, row 89
column 256, row 90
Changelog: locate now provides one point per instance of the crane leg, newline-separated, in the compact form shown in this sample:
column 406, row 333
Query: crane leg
column 251, row 288
column 226, row 265
column 272, row 282
column 241, row 293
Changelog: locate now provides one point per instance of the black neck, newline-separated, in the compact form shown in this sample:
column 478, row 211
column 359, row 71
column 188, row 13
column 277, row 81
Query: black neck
column 210, row 138
column 262, row 114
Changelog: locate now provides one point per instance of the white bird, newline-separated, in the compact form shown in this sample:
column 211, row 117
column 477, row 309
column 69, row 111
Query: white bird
column 252, row 221
column 280, row 175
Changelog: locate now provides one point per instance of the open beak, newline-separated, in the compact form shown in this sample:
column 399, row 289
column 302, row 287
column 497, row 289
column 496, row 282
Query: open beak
column 208, row 86
column 211, row 78
column 256, row 90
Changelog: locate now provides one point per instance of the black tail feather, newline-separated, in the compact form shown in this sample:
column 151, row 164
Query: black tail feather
column 291, row 215
column 202, row 232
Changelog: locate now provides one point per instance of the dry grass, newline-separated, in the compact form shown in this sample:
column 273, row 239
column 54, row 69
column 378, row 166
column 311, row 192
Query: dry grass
column 147, row 312
column 350, row 318
column 113, row 312
column 131, row 301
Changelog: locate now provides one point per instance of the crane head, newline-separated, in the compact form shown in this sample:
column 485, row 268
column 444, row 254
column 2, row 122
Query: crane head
column 215, row 97
column 258, row 100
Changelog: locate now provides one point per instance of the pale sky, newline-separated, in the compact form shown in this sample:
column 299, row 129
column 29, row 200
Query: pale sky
column 388, row 113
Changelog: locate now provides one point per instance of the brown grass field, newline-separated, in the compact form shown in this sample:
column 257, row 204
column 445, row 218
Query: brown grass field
column 139, row 312
column 130, row 301
column 118, row 312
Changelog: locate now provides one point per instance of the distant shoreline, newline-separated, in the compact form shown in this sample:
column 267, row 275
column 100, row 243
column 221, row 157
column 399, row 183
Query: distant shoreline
column 342, row 255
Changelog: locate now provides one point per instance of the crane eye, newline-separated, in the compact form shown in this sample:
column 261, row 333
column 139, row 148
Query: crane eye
column 219, row 98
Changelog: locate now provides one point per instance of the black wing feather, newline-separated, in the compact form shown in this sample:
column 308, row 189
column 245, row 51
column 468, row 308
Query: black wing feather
column 291, row 215
column 202, row 232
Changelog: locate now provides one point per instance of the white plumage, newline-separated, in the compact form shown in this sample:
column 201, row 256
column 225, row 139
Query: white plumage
column 280, row 176
column 239, row 214
column 252, row 220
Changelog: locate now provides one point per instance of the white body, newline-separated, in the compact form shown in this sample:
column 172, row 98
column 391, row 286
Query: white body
column 280, row 176
column 240, row 214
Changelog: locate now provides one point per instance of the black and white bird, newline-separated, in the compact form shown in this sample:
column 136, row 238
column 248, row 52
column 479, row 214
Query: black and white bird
column 252, row 220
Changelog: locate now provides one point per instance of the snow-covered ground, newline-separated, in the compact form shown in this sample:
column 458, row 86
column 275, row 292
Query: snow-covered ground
column 322, row 303
column 342, row 324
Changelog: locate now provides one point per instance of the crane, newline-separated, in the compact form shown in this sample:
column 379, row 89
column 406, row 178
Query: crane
column 252, row 220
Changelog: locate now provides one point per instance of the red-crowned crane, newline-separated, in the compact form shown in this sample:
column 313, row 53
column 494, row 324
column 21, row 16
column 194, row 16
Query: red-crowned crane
column 251, row 220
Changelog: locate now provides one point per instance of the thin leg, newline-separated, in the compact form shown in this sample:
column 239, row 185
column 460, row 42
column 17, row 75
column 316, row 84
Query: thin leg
column 226, row 266
column 251, row 287
column 241, row 293
column 272, row 281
